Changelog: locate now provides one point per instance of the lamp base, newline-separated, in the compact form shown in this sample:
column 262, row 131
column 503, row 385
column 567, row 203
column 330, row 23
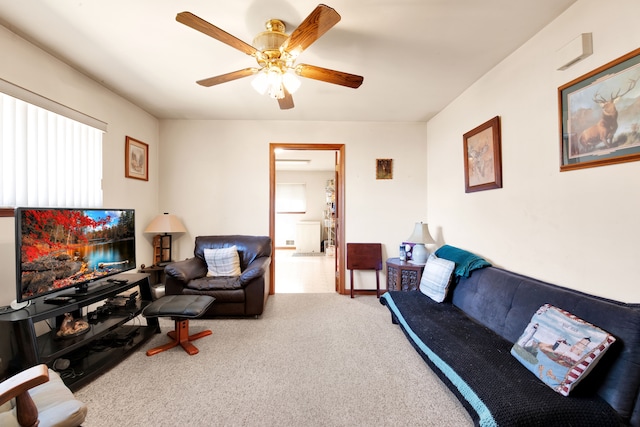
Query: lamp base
column 419, row 254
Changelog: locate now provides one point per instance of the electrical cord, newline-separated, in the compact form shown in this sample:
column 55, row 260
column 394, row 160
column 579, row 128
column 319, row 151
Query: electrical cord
column 70, row 373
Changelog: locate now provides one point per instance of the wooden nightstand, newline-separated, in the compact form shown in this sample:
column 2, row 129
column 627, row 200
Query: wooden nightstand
column 403, row 275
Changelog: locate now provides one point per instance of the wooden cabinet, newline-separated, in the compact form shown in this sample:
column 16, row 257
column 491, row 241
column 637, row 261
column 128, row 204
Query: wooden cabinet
column 403, row 275
column 113, row 332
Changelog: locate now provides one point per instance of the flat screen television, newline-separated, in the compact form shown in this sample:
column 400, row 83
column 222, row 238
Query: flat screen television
column 63, row 248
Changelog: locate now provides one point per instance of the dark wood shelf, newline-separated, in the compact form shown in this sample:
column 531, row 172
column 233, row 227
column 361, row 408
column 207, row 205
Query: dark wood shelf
column 91, row 360
column 110, row 338
column 52, row 347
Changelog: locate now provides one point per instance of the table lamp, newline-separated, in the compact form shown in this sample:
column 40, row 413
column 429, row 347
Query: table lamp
column 164, row 226
column 419, row 237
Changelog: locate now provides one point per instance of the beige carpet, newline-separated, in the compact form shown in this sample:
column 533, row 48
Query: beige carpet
column 310, row 360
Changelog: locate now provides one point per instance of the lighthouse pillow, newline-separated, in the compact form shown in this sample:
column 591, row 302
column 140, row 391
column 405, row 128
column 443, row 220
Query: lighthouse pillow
column 560, row 348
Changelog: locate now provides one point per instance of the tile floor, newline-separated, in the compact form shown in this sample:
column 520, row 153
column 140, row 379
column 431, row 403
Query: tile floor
column 304, row 274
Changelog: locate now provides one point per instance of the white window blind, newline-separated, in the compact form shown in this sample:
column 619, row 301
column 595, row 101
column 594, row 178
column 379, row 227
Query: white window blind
column 47, row 159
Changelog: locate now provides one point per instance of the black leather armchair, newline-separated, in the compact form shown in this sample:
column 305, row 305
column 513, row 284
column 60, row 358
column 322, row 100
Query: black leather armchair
column 244, row 295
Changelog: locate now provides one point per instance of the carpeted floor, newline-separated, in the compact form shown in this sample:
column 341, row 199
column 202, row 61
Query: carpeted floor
column 310, row 360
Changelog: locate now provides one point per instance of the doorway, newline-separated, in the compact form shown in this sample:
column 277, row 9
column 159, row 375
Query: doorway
column 338, row 215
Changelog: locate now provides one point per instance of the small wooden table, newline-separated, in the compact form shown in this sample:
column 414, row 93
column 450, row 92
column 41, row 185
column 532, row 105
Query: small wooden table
column 364, row 256
column 403, row 275
column 156, row 279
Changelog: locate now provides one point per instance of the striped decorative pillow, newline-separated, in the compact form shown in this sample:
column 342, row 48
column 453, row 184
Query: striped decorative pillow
column 222, row 262
column 436, row 278
column 560, row 348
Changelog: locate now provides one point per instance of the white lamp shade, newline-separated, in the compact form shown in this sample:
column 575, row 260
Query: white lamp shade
column 165, row 223
column 420, row 234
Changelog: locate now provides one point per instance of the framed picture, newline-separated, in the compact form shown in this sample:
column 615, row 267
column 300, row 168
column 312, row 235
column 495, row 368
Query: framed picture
column 136, row 159
column 384, row 168
column 482, row 157
column 599, row 115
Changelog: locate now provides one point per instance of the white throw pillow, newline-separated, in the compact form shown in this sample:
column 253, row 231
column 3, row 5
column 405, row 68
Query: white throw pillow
column 222, row 262
column 436, row 277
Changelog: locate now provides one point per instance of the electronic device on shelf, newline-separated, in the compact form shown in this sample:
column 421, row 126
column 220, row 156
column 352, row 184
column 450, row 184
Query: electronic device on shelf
column 118, row 281
column 60, row 300
column 84, row 246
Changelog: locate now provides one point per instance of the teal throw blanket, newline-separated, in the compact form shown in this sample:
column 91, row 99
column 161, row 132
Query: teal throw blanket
column 465, row 261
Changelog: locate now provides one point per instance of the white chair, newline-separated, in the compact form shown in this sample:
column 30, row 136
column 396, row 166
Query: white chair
column 38, row 397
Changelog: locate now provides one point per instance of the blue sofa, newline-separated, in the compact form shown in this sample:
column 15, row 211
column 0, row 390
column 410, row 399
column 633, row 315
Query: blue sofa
column 467, row 341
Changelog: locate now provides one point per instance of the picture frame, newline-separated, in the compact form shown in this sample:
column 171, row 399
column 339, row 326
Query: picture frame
column 136, row 159
column 483, row 157
column 598, row 115
column 384, row 168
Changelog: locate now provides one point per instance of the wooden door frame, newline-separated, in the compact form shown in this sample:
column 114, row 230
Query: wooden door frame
column 340, row 187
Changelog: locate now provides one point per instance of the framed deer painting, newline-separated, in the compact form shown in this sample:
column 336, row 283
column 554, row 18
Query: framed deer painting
column 599, row 115
column 482, row 157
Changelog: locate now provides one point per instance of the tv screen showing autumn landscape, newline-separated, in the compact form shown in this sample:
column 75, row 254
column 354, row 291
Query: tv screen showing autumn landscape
column 63, row 248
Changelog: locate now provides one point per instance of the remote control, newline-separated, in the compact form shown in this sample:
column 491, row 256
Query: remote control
column 59, row 300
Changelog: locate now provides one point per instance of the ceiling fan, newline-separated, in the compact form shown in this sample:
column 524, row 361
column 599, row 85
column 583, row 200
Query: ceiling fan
column 276, row 53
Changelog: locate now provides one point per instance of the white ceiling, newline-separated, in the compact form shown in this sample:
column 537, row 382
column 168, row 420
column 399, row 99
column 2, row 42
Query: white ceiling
column 317, row 160
column 416, row 56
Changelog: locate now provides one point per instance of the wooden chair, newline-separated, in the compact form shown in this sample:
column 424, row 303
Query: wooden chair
column 364, row 256
column 41, row 397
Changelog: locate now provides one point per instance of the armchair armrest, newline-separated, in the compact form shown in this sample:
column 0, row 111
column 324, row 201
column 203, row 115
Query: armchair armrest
column 18, row 386
column 254, row 270
column 186, row 270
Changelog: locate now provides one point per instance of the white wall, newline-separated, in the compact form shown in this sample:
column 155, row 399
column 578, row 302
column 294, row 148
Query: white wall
column 216, row 177
column 578, row 229
column 31, row 68
column 315, row 183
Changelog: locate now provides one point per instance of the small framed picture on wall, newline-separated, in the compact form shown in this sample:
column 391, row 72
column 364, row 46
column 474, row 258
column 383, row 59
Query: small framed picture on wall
column 136, row 159
column 482, row 157
column 384, row 168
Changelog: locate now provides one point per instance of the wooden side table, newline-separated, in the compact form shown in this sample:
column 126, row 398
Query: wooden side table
column 403, row 275
column 156, row 279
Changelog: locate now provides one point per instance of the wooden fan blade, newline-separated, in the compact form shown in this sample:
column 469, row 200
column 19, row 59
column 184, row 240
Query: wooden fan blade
column 191, row 20
column 223, row 78
column 329, row 76
column 286, row 103
column 312, row 28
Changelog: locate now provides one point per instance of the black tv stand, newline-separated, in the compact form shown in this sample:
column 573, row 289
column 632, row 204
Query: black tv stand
column 111, row 337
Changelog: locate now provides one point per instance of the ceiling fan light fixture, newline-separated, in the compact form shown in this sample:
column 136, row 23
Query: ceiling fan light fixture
column 272, row 39
column 274, row 79
column 291, row 82
column 276, row 53
column 260, row 83
column 274, row 83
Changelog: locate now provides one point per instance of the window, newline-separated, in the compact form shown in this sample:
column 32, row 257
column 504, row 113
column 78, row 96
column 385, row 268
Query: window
column 46, row 158
column 291, row 198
